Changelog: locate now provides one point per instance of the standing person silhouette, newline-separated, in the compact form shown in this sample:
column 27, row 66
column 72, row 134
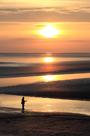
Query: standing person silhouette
column 23, row 103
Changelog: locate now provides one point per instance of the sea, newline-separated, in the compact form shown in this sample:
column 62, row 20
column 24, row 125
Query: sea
column 50, row 82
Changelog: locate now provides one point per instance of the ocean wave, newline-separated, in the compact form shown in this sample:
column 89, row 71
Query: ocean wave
column 43, row 69
column 44, row 54
column 15, row 64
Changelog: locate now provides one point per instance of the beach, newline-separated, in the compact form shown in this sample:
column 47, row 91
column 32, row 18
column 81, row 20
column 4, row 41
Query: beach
column 44, row 124
column 57, row 94
column 45, row 68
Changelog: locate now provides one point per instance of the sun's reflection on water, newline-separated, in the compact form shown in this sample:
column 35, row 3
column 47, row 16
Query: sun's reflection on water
column 34, row 79
column 48, row 105
column 49, row 77
column 48, row 59
column 12, row 103
column 48, row 108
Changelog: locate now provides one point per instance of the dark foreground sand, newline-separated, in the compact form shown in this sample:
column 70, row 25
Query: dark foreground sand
column 44, row 124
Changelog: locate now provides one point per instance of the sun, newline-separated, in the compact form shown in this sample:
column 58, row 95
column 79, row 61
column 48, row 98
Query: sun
column 48, row 59
column 49, row 31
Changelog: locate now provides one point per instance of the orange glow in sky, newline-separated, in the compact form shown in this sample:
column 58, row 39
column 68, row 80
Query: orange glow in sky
column 58, row 26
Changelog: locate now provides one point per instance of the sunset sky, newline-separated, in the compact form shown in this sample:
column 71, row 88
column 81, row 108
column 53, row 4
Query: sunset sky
column 44, row 26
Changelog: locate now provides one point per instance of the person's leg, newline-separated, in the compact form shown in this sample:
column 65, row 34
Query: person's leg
column 22, row 107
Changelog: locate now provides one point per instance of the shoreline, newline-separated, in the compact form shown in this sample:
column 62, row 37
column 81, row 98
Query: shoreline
column 40, row 69
column 12, row 103
column 12, row 115
column 25, row 74
column 55, row 124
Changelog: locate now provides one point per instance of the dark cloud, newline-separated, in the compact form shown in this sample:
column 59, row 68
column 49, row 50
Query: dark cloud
column 4, row 10
column 12, row 10
column 43, row 15
column 85, row 7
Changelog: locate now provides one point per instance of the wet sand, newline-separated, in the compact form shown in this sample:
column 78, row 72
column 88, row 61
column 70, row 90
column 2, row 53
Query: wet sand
column 44, row 124
column 66, row 89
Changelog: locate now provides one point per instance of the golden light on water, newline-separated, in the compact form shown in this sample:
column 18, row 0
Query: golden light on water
column 49, row 77
column 48, row 59
column 48, row 105
column 49, row 31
